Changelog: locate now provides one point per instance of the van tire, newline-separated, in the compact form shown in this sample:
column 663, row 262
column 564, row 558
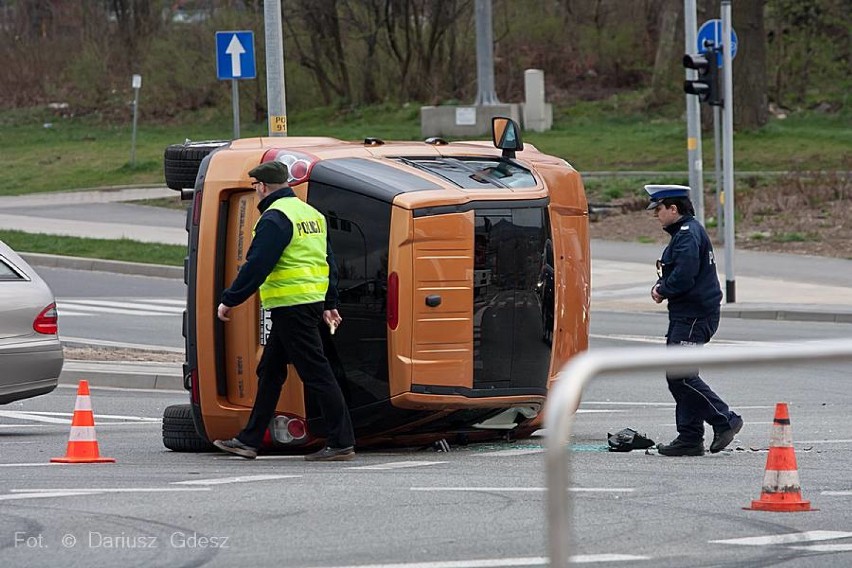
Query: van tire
column 179, row 434
column 182, row 161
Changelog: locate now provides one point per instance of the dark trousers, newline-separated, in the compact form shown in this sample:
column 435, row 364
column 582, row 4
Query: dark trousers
column 295, row 338
column 695, row 401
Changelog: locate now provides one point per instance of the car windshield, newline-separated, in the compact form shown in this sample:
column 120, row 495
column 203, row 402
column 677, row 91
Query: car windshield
column 475, row 173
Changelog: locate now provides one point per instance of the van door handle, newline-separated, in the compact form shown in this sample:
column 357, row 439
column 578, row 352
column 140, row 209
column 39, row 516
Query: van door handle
column 433, row 301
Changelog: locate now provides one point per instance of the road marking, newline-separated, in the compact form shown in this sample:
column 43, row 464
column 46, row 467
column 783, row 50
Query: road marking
column 31, row 417
column 807, row 536
column 529, row 489
column 597, row 411
column 97, row 416
column 18, row 494
column 112, row 490
column 826, row 548
column 800, row 442
column 238, row 479
column 837, row 493
column 121, row 389
column 90, row 307
column 509, row 453
column 25, row 464
column 40, row 495
column 502, row 562
column 397, row 465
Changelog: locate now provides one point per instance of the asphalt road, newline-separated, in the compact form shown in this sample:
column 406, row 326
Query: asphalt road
column 118, row 307
column 480, row 505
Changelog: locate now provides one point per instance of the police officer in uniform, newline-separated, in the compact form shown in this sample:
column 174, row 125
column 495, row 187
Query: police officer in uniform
column 690, row 285
column 292, row 265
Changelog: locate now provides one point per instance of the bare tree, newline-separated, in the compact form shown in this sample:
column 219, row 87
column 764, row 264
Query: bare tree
column 749, row 68
column 668, row 51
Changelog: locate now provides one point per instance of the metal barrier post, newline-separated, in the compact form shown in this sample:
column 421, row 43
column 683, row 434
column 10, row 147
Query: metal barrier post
column 566, row 395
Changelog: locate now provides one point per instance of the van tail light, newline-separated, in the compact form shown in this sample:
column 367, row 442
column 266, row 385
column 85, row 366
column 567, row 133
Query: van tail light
column 194, row 392
column 47, row 322
column 196, row 207
column 299, row 164
column 287, row 429
column 393, row 300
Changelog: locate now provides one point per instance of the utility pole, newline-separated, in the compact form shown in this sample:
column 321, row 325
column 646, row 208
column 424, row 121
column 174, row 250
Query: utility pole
column 484, row 55
column 693, row 117
column 276, row 100
column 728, row 149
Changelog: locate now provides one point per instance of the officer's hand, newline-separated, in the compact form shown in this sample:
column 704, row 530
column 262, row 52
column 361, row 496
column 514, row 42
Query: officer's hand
column 332, row 319
column 656, row 295
column 223, row 312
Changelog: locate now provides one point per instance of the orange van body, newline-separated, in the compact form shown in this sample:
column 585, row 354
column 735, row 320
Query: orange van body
column 464, row 284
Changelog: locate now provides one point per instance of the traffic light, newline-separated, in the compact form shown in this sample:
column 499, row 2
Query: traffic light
column 706, row 87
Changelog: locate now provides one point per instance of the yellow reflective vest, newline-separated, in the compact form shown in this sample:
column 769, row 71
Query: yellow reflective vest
column 301, row 274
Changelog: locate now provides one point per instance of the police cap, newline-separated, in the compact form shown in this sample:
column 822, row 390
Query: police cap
column 660, row 192
column 270, row 172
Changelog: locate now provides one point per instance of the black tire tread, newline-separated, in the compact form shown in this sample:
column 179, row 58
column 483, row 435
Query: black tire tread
column 179, row 434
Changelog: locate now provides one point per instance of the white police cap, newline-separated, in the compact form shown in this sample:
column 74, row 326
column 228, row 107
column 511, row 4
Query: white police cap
column 660, row 192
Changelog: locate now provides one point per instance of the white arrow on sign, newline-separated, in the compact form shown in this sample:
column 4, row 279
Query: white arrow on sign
column 235, row 49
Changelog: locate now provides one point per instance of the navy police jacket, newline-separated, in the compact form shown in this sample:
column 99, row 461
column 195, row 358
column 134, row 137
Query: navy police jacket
column 689, row 281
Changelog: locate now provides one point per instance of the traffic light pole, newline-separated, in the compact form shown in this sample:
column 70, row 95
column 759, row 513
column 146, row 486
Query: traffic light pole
column 693, row 118
column 728, row 149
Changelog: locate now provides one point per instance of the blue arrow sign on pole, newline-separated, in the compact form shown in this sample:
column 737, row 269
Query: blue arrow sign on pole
column 235, row 55
column 711, row 32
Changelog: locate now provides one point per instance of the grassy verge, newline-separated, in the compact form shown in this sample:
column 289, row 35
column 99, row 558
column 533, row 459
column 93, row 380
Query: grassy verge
column 122, row 249
column 43, row 152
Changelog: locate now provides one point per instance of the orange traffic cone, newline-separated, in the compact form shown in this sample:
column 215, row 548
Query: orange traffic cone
column 82, row 445
column 781, row 490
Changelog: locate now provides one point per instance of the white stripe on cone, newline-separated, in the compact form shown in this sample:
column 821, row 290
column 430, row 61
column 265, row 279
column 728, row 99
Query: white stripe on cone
column 82, row 434
column 84, row 402
column 781, row 481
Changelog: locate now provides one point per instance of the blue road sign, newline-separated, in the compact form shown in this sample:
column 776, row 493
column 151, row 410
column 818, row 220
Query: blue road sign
column 711, row 32
column 235, row 55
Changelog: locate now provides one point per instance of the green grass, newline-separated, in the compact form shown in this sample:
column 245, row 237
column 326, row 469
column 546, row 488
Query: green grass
column 87, row 152
column 122, row 249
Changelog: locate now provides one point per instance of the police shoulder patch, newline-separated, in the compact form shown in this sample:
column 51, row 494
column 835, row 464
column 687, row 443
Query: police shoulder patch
column 684, row 227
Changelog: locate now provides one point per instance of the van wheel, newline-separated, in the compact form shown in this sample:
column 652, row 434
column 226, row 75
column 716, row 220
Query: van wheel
column 179, row 433
column 182, row 161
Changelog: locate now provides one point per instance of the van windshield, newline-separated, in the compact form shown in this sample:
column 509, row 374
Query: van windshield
column 475, row 173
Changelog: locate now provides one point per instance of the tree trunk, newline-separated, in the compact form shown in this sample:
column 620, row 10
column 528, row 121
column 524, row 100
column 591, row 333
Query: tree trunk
column 667, row 52
column 749, row 67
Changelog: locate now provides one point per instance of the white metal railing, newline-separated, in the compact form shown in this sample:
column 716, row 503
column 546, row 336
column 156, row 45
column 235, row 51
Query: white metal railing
column 573, row 377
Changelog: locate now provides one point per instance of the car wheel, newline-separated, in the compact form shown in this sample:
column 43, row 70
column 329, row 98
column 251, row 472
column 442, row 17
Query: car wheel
column 179, row 433
column 182, row 161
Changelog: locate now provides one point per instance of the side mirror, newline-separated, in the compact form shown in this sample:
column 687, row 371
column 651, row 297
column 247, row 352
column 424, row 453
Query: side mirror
column 506, row 135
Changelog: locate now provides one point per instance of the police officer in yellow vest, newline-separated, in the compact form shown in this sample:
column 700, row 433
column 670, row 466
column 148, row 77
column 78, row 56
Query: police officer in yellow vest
column 291, row 263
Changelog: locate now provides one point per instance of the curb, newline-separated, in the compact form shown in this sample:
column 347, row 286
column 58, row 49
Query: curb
column 123, row 375
column 96, row 264
column 789, row 315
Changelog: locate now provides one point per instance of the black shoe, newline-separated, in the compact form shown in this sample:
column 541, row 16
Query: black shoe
column 329, row 454
column 680, row 448
column 234, row 446
column 721, row 438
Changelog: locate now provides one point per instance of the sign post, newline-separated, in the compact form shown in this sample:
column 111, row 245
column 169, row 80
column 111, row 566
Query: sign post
column 234, row 61
column 136, row 83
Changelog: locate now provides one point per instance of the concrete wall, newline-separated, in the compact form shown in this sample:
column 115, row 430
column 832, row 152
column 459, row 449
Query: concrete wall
column 459, row 121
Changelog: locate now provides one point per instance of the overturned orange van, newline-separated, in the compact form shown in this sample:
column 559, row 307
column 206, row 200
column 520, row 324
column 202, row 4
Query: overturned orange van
column 464, row 286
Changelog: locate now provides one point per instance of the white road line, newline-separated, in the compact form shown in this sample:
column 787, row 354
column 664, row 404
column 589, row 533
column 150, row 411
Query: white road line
column 836, row 493
column 120, row 389
column 528, row 489
column 238, row 479
column 397, row 465
column 30, row 417
column 502, row 562
column 127, row 310
column 47, row 495
column 26, row 464
column 509, row 453
column 597, row 411
column 97, row 416
column 626, row 403
column 132, row 305
column 807, row 536
column 112, row 490
column 800, row 442
column 825, row 548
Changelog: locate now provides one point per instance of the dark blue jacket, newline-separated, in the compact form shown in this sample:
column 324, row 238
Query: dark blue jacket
column 689, row 281
column 272, row 234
